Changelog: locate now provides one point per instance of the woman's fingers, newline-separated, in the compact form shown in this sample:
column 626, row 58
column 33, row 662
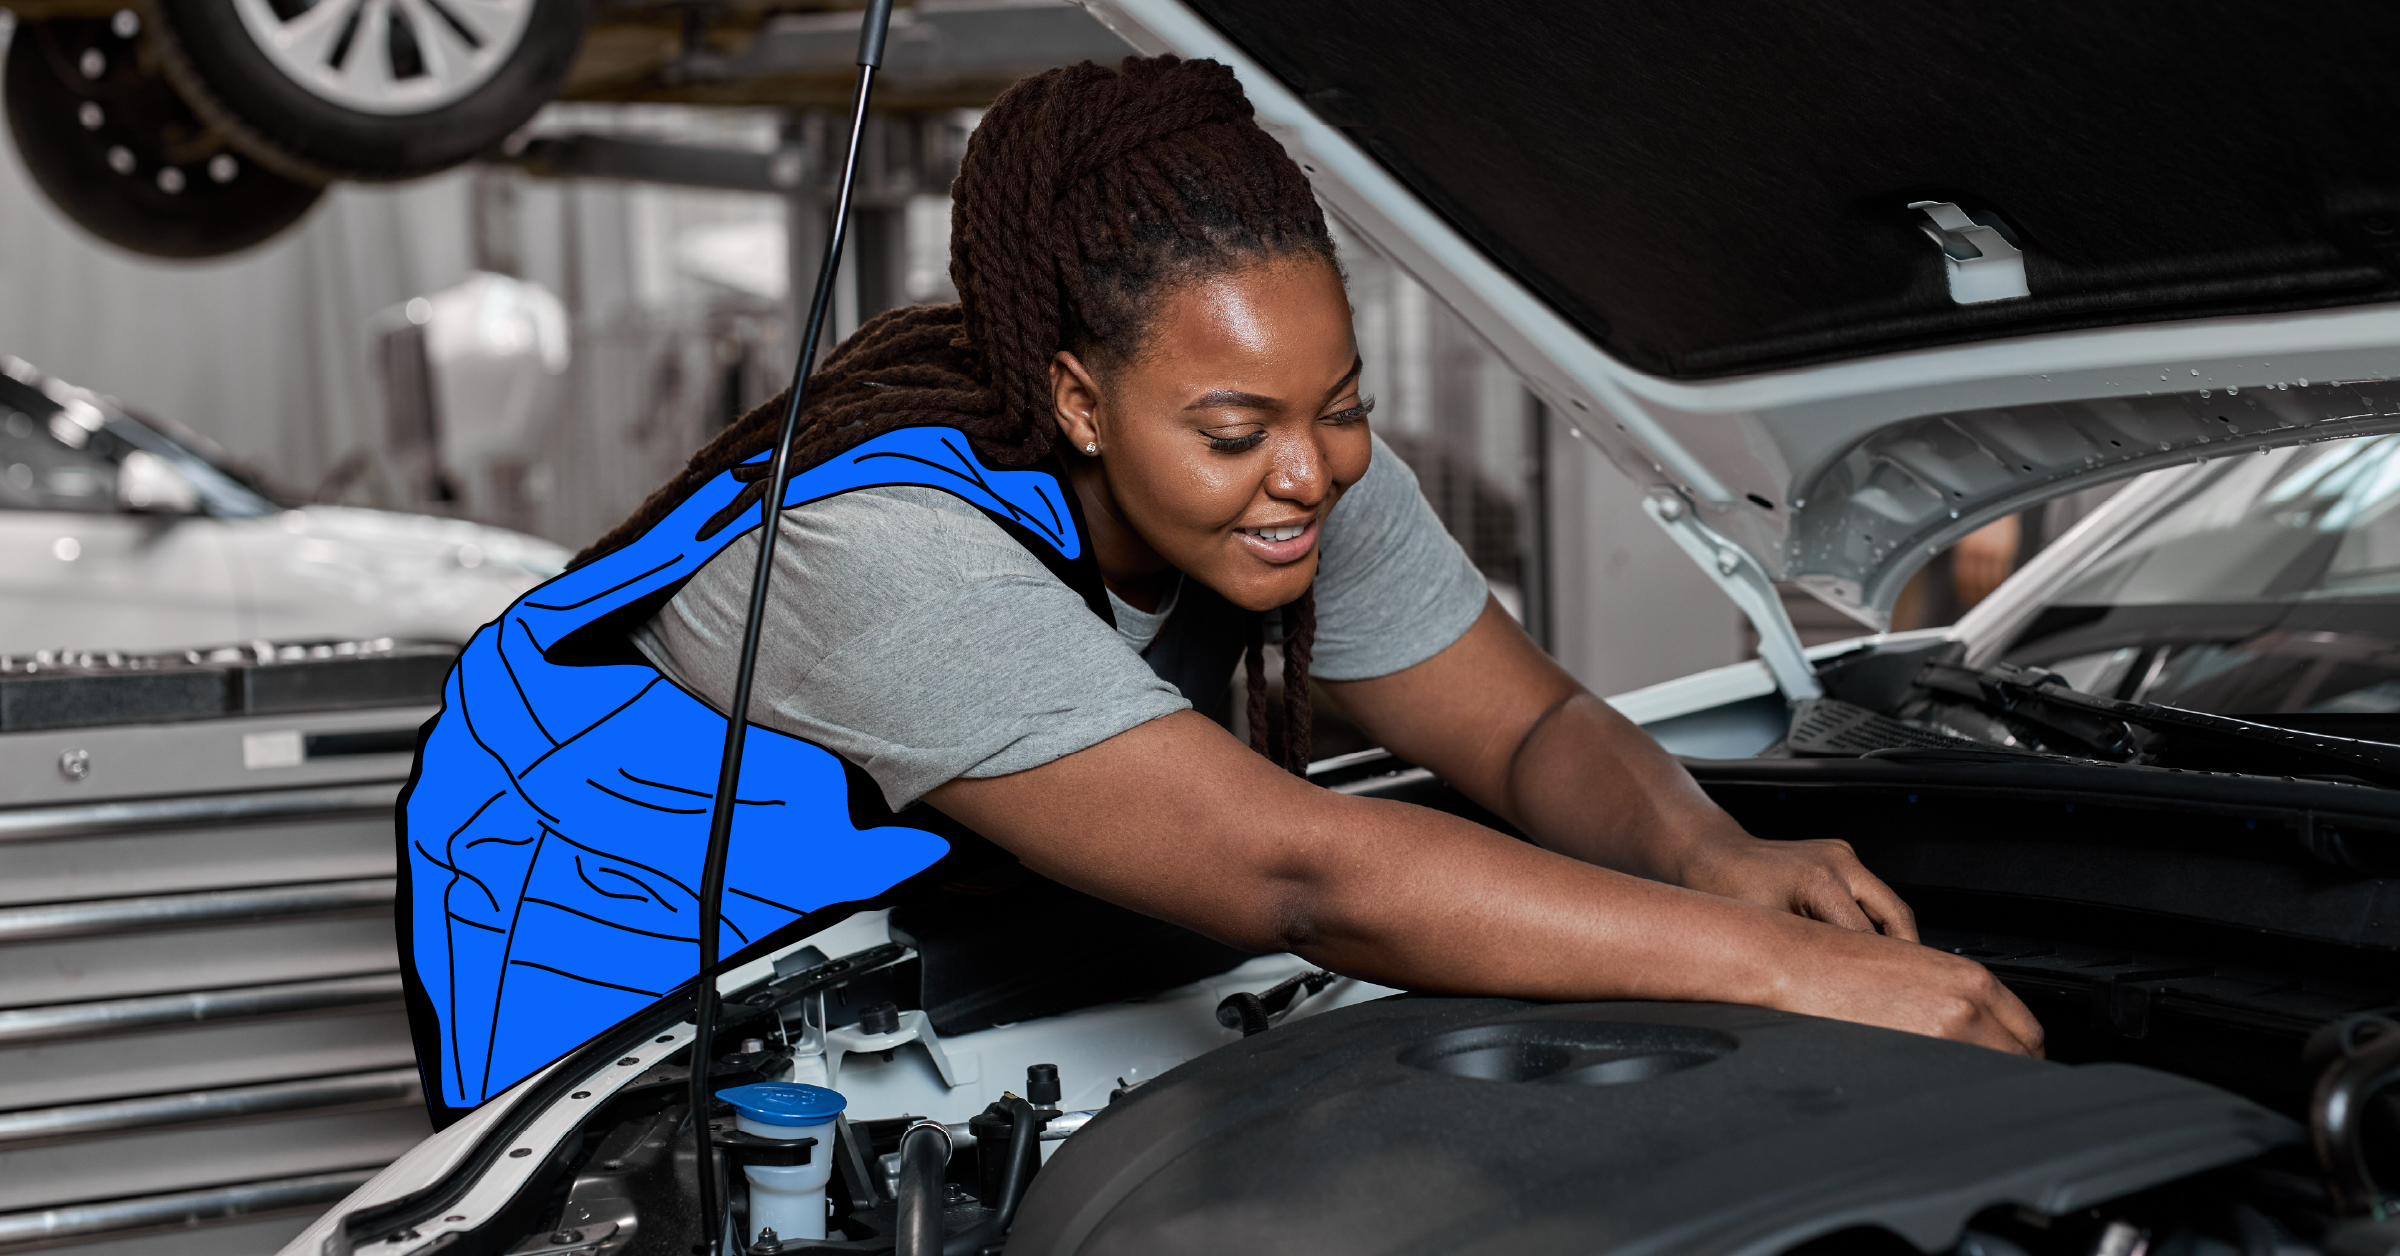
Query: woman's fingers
column 1829, row 899
column 1890, row 914
column 1900, row 985
column 1995, row 1018
column 1989, row 1014
column 2018, row 1019
column 1820, row 879
column 1867, row 904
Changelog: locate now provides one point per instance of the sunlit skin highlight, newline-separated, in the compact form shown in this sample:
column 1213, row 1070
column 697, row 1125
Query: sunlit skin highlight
column 1240, row 413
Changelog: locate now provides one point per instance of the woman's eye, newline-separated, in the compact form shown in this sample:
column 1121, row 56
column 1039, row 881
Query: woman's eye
column 1353, row 414
column 1236, row 444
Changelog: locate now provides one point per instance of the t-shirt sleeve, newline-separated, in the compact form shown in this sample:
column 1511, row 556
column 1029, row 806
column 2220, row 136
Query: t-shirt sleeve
column 911, row 636
column 1393, row 588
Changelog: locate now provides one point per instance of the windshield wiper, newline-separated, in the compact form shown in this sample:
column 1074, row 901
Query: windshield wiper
column 2074, row 722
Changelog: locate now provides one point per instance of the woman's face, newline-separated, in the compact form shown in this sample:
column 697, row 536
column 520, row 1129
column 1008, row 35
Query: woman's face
column 1224, row 445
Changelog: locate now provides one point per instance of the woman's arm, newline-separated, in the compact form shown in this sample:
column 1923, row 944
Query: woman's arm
column 1177, row 819
column 1499, row 719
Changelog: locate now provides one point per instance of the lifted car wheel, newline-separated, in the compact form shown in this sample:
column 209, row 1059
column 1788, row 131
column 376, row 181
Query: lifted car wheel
column 119, row 152
column 369, row 89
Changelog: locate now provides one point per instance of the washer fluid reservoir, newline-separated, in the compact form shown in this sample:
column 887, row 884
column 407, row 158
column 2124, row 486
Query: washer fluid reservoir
column 788, row 1199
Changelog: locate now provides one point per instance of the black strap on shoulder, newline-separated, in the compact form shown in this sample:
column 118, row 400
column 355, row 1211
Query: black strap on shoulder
column 1198, row 646
column 1082, row 573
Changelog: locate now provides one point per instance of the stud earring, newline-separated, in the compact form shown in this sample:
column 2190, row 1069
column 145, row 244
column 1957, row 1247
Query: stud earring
column 1092, row 448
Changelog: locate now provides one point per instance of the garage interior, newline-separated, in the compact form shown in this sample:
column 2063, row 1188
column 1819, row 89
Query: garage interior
column 201, row 1041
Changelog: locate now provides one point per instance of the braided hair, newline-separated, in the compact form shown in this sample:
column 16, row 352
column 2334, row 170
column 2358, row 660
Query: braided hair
column 1086, row 194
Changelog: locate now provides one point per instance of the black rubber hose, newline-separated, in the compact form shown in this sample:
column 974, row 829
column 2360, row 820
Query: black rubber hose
column 2338, row 1119
column 1246, row 1012
column 924, row 1156
column 1024, row 1157
column 1256, row 1013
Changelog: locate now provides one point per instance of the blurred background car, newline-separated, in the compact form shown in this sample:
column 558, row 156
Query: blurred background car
column 131, row 535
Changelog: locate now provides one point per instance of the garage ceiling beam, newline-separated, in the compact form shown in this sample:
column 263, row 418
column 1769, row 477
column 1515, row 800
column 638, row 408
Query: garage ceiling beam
column 661, row 161
column 943, row 54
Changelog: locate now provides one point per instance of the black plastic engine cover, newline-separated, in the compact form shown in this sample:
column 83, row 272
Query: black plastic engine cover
column 1426, row 1125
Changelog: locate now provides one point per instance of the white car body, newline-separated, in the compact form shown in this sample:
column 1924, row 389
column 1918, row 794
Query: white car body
column 227, row 566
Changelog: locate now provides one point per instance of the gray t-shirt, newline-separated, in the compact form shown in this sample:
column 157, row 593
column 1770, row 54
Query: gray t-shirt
column 910, row 635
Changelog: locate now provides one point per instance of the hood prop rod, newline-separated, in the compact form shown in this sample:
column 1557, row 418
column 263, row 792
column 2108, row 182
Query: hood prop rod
column 875, row 22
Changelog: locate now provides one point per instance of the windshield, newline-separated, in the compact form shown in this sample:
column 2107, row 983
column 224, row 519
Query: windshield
column 65, row 455
column 2268, row 585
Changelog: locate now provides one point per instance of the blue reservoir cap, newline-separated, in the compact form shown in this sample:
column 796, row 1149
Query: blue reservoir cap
column 785, row 1103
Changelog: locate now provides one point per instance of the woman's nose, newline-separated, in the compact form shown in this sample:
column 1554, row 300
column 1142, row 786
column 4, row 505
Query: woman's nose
column 1298, row 474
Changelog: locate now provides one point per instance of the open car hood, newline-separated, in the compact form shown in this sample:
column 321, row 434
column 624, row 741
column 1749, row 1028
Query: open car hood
column 1838, row 285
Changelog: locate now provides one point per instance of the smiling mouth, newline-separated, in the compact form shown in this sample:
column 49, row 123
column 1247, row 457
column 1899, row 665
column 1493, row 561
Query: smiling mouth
column 1281, row 544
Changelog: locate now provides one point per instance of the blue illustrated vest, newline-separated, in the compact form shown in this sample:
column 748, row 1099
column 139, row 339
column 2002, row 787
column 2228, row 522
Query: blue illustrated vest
column 551, row 838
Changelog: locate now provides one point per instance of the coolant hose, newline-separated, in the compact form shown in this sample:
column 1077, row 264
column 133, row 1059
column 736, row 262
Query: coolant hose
column 2338, row 1120
column 924, row 1157
column 1024, row 1158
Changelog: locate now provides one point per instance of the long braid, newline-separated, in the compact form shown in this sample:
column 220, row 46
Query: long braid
column 1289, row 745
column 1299, row 644
column 1086, row 192
column 1254, row 669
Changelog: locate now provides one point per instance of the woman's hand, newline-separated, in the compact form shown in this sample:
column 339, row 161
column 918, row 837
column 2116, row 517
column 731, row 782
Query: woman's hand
column 1821, row 879
column 1900, row 985
column 1887, row 980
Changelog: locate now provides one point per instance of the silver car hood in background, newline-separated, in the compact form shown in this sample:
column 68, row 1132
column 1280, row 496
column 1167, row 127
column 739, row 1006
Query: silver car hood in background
column 1847, row 476
column 236, row 567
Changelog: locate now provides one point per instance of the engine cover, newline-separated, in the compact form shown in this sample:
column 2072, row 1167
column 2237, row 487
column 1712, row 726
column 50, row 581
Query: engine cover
column 1490, row 1125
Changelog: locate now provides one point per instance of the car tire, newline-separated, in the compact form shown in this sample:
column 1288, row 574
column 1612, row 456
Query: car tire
column 368, row 89
column 112, row 145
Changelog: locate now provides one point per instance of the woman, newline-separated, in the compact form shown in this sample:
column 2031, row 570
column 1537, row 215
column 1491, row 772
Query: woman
column 1152, row 313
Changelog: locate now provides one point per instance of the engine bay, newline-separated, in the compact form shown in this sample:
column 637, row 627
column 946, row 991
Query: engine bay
column 1483, row 1125
column 1414, row 1123
column 2210, row 954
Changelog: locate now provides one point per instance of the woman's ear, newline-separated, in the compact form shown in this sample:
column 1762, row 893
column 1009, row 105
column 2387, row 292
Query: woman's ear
column 1076, row 397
